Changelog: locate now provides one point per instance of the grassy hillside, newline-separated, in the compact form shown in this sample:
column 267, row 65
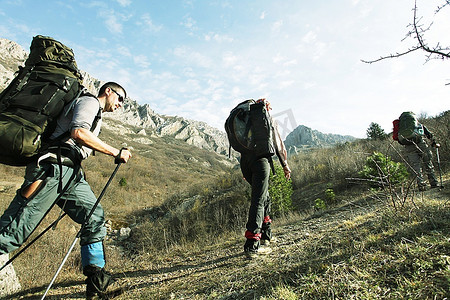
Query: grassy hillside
column 157, row 171
column 187, row 213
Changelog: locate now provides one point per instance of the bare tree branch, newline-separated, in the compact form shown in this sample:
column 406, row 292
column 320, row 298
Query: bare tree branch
column 418, row 33
column 392, row 55
column 447, row 3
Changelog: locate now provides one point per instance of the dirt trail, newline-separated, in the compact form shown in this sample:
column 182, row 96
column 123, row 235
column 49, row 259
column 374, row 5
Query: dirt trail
column 213, row 270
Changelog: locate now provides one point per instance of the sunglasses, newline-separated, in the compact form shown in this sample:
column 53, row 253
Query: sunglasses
column 119, row 95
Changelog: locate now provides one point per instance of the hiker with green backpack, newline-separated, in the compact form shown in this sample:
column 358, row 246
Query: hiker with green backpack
column 252, row 132
column 408, row 131
column 53, row 173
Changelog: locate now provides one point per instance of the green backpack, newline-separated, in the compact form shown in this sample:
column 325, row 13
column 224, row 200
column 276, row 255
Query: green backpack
column 250, row 130
column 410, row 131
column 31, row 103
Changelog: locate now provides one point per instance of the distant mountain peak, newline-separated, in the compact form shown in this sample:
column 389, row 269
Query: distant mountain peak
column 304, row 138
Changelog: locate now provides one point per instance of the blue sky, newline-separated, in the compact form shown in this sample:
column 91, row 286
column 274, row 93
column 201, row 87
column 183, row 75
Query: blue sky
column 198, row 59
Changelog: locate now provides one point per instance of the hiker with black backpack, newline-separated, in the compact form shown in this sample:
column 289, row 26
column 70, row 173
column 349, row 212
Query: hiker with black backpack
column 50, row 123
column 410, row 133
column 56, row 176
column 252, row 132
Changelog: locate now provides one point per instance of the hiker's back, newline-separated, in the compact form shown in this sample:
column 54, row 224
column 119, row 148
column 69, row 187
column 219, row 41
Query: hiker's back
column 34, row 99
column 250, row 130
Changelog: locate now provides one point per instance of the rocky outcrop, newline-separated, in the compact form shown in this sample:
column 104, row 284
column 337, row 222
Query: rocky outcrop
column 9, row 283
column 11, row 57
column 304, row 138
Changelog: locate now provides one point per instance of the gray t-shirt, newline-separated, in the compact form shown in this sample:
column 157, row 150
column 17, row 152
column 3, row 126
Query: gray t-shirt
column 79, row 114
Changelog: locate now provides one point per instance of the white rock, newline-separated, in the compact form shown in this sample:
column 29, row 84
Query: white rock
column 9, row 283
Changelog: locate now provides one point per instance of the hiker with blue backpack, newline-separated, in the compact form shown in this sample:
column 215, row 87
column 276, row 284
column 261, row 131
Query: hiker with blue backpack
column 53, row 173
column 252, row 132
column 410, row 133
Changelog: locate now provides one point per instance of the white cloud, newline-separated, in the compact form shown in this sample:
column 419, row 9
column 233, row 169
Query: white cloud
column 235, row 91
column 218, row 37
column 188, row 3
column 278, row 58
column 291, row 62
column 109, row 17
column 124, row 3
column 263, row 15
column 142, row 61
column 192, row 58
column 229, row 59
column 148, row 24
column 189, row 23
column 309, row 85
column 309, row 37
column 124, row 51
column 285, row 84
column 282, row 73
column 111, row 21
column 276, row 26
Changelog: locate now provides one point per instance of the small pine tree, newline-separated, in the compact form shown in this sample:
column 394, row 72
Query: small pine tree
column 375, row 132
column 280, row 191
column 380, row 169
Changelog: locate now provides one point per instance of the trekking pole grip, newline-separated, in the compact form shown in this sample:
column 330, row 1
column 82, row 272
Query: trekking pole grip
column 117, row 159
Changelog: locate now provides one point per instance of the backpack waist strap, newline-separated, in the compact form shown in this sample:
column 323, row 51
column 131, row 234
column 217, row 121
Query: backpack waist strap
column 61, row 154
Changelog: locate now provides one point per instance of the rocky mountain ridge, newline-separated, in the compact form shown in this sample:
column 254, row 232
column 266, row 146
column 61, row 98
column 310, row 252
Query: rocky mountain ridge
column 304, row 138
column 144, row 123
column 134, row 118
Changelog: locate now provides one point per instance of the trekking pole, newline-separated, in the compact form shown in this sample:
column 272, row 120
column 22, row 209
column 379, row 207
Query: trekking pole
column 30, row 243
column 439, row 164
column 82, row 227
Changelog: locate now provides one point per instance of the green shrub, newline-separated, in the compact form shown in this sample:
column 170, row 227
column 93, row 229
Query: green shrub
column 123, row 182
column 319, row 204
column 330, row 195
column 280, row 191
column 380, row 170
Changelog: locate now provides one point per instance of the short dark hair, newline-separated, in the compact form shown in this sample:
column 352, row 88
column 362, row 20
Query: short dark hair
column 113, row 85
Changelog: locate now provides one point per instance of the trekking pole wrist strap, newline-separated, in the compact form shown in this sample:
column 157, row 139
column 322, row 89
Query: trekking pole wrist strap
column 117, row 159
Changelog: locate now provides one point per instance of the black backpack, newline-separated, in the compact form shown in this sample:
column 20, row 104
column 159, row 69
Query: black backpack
column 31, row 103
column 250, row 130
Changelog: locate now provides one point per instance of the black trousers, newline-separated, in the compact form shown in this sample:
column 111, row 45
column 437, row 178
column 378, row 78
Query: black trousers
column 257, row 171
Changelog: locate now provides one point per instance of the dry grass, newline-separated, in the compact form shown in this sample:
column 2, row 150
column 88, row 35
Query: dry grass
column 188, row 217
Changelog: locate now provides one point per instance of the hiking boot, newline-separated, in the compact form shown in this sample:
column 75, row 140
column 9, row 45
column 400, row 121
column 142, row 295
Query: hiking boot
column 251, row 254
column 251, row 248
column 264, row 242
column 254, row 248
column 262, row 250
column 251, row 245
column 100, row 284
